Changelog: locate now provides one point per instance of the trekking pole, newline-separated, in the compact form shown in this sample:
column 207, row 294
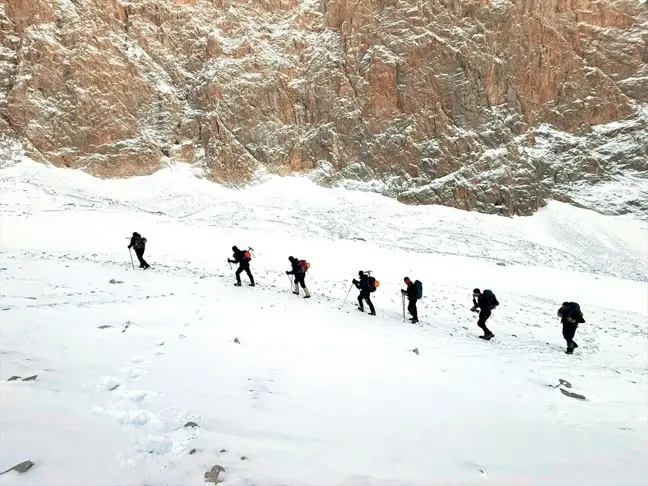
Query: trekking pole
column 347, row 295
column 131, row 255
column 403, row 298
column 291, row 283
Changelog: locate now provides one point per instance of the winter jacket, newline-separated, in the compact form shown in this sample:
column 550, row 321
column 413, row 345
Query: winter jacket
column 363, row 284
column 296, row 268
column 411, row 292
column 137, row 242
column 565, row 318
column 239, row 257
column 483, row 302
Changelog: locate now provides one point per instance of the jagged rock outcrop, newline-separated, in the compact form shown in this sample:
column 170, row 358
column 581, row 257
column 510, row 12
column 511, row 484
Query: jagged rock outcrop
column 465, row 103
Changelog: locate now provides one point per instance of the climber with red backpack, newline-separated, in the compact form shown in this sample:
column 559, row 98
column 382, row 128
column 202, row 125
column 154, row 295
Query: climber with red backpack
column 299, row 269
column 243, row 259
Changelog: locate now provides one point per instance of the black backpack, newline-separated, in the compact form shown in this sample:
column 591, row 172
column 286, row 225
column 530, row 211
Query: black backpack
column 573, row 313
column 140, row 243
column 373, row 284
column 491, row 300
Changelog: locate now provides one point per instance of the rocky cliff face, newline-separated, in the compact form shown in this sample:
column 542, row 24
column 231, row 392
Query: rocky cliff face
column 480, row 104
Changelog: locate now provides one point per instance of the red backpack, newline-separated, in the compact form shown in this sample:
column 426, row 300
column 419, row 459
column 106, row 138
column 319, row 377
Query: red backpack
column 304, row 265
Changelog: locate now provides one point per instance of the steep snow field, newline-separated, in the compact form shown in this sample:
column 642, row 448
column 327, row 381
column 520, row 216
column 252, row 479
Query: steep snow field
column 314, row 392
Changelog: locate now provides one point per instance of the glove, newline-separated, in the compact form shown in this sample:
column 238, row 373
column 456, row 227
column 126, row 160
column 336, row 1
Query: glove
column 403, row 291
column 354, row 281
column 287, row 272
column 473, row 308
column 229, row 261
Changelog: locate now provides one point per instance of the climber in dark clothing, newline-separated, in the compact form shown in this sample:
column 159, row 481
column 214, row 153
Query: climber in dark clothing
column 570, row 317
column 412, row 297
column 139, row 245
column 365, row 292
column 243, row 261
column 485, row 302
column 300, row 275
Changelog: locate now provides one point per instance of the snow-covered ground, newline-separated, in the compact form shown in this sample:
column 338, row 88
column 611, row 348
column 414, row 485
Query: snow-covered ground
column 314, row 392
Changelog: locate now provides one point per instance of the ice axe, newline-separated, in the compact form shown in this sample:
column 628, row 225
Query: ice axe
column 131, row 255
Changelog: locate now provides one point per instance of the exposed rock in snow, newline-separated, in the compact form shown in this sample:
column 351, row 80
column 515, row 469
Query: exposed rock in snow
column 467, row 104
column 214, row 476
column 21, row 468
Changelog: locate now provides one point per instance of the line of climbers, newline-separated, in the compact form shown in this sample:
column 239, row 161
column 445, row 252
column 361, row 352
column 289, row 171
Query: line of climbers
column 483, row 302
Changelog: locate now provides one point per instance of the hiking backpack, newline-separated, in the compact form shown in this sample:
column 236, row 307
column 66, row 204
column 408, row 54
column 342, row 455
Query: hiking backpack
column 304, row 265
column 247, row 255
column 490, row 299
column 573, row 312
column 419, row 289
column 139, row 243
column 373, row 284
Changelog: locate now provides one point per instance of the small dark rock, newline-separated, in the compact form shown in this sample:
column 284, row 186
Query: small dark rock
column 14, row 378
column 223, row 451
column 415, row 351
column 30, row 378
column 236, row 340
column 191, row 424
column 501, row 264
column 514, row 335
column 192, row 451
column 103, row 326
column 114, row 387
column 244, row 458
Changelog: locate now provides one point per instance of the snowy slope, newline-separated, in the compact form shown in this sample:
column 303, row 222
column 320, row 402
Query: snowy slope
column 315, row 393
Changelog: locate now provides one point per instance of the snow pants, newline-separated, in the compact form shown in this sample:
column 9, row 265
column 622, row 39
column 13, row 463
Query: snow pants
column 246, row 269
column 300, row 280
column 139, row 252
column 569, row 331
column 365, row 295
column 484, row 314
column 412, row 309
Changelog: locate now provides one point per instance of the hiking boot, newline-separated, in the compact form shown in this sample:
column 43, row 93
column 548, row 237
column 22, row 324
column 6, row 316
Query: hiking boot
column 574, row 345
column 307, row 296
column 372, row 313
column 414, row 321
column 237, row 284
column 569, row 351
column 361, row 309
column 296, row 293
column 252, row 284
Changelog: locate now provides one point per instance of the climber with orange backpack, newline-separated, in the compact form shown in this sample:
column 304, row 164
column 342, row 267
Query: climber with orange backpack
column 299, row 269
column 366, row 285
column 243, row 259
